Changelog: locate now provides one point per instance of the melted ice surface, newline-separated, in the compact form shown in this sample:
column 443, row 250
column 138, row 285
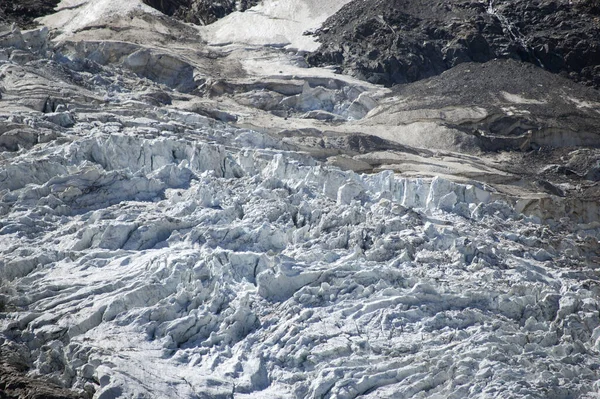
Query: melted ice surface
column 74, row 15
column 274, row 23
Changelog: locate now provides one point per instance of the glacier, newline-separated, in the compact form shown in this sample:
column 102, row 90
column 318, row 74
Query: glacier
column 169, row 265
column 149, row 250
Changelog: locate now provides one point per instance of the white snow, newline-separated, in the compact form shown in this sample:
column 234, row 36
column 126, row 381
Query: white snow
column 278, row 23
column 74, row 15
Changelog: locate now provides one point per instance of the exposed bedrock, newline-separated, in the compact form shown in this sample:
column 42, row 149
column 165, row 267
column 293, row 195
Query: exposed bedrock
column 202, row 12
column 23, row 12
column 404, row 40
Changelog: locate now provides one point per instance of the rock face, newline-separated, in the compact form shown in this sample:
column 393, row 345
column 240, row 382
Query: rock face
column 202, row 12
column 400, row 41
column 23, row 12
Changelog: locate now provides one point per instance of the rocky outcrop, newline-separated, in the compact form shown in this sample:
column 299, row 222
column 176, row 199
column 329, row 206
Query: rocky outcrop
column 15, row 384
column 201, row 12
column 400, row 41
column 23, row 12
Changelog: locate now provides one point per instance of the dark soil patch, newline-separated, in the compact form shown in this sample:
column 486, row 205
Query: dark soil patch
column 15, row 384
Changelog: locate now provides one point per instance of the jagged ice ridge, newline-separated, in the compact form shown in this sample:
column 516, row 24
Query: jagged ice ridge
column 153, row 252
column 248, row 270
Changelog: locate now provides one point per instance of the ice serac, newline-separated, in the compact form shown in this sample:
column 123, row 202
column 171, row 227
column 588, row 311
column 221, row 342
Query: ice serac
column 259, row 272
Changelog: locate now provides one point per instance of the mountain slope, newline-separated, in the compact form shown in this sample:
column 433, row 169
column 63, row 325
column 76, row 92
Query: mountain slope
column 405, row 40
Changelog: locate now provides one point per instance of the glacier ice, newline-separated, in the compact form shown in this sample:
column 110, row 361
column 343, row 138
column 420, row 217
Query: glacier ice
column 170, row 264
column 150, row 251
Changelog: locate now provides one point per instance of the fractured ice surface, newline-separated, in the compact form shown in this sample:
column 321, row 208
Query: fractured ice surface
column 155, row 252
column 151, row 263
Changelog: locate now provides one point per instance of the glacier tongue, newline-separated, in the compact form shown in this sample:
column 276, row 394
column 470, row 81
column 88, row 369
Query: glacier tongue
column 177, row 265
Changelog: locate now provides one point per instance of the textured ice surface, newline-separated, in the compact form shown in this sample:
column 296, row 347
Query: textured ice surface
column 155, row 257
column 151, row 252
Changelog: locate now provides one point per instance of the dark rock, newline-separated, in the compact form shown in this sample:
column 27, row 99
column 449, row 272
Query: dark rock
column 201, row 12
column 158, row 98
column 399, row 41
column 23, row 12
column 549, row 188
column 15, row 384
column 594, row 173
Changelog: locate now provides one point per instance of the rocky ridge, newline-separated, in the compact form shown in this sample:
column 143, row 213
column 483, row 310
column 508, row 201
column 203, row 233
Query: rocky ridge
column 23, row 12
column 404, row 41
column 201, row 12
